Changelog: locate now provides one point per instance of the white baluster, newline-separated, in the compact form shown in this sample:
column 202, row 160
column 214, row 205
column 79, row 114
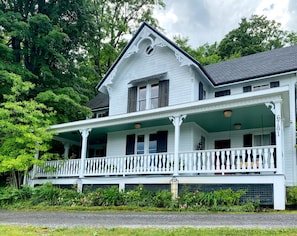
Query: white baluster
column 212, row 161
column 218, row 160
column 272, row 163
column 233, row 166
column 194, row 156
column 199, row 160
column 207, row 160
column 223, row 161
column 203, row 161
column 228, row 160
column 244, row 159
column 249, row 159
column 265, row 158
column 260, row 151
column 255, row 159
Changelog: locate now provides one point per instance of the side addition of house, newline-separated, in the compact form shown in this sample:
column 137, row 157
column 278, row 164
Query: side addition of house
column 163, row 120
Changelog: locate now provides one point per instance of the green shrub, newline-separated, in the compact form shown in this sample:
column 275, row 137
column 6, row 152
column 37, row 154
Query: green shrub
column 217, row 200
column 292, row 195
column 104, row 197
column 11, row 195
column 49, row 195
column 45, row 194
column 139, row 197
column 163, row 199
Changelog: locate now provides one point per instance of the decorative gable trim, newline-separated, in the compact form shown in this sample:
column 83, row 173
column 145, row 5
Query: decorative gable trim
column 157, row 39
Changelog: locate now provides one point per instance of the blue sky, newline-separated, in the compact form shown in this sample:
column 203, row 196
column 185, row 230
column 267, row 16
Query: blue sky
column 207, row 21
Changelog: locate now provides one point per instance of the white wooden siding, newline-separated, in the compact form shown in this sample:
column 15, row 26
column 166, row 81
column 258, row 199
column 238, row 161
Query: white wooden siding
column 181, row 85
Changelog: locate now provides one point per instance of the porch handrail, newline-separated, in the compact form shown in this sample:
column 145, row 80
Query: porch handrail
column 216, row 161
column 231, row 160
column 58, row 168
column 156, row 163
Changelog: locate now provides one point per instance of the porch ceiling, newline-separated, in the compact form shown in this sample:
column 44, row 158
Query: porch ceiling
column 252, row 117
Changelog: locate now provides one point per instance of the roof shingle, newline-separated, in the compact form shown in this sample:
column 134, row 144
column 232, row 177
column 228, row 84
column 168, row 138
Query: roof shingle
column 254, row 66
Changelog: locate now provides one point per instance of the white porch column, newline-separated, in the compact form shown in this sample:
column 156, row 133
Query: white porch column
column 278, row 137
column 66, row 150
column 276, row 108
column 176, row 121
column 84, row 135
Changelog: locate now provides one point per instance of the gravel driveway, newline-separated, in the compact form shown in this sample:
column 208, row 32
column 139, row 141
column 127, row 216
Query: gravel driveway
column 98, row 219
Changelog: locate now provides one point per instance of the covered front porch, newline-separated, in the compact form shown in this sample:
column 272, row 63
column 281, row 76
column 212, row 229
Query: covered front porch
column 196, row 160
column 254, row 160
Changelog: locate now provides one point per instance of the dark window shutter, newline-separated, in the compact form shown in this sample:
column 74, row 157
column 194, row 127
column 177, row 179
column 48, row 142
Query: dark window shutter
column 162, row 141
column 248, row 140
column 130, row 144
column 163, row 93
column 132, row 99
column 200, row 91
column 273, row 138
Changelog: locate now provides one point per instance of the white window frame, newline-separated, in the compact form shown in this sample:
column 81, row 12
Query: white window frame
column 148, row 99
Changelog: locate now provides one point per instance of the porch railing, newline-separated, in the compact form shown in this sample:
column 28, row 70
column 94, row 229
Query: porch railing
column 226, row 161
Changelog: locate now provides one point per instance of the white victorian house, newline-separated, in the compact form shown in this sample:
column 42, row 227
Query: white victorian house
column 162, row 119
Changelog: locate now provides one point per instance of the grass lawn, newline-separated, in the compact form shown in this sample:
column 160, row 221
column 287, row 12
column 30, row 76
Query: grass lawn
column 12, row 230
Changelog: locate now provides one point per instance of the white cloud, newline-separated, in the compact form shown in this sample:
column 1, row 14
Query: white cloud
column 207, row 21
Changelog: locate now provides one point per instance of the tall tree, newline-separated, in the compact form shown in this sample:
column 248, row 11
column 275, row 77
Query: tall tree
column 205, row 54
column 69, row 45
column 253, row 35
column 23, row 128
column 45, row 38
column 114, row 22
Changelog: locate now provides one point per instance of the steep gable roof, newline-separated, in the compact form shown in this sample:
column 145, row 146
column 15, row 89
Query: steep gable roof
column 172, row 44
column 258, row 65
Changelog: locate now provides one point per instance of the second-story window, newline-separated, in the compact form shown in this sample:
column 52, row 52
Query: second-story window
column 148, row 96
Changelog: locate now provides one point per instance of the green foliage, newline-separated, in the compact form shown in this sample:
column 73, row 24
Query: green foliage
column 23, row 126
column 112, row 22
column 49, row 195
column 205, row 54
column 253, row 35
column 163, row 199
column 14, row 230
column 138, row 197
column 12, row 196
column 218, row 200
column 104, row 197
column 58, row 45
column 292, row 195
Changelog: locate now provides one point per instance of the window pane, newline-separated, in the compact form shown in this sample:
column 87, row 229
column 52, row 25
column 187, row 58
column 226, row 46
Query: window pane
column 153, row 143
column 142, row 105
column 142, row 98
column 154, row 96
column 262, row 140
column 155, row 90
column 140, row 144
column 142, row 93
